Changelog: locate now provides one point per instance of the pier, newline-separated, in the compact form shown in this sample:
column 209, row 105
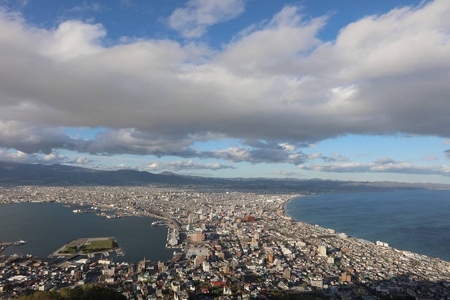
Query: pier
column 4, row 245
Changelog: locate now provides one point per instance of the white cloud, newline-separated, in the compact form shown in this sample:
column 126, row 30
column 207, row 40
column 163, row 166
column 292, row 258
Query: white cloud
column 287, row 147
column 194, row 20
column 85, row 6
column 384, row 166
column 21, row 157
column 276, row 82
column 446, row 142
column 73, row 39
column 315, row 155
column 54, row 158
column 275, row 46
column 82, row 161
column 183, row 165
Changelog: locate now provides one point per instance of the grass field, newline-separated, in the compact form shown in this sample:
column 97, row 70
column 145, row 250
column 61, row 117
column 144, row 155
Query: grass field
column 92, row 246
column 104, row 244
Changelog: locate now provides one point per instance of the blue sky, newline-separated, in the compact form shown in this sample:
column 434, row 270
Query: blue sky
column 345, row 90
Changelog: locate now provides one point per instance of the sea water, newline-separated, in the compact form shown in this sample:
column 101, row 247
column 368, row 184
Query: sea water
column 48, row 226
column 414, row 220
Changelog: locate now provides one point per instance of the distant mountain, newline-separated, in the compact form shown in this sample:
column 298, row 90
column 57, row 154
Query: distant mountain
column 14, row 174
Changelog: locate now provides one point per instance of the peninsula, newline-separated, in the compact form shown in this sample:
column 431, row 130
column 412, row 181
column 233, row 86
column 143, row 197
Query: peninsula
column 227, row 243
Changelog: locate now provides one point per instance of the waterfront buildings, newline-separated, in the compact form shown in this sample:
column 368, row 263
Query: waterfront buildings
column 228, row 244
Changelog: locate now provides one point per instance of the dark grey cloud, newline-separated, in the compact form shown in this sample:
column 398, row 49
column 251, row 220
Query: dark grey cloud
column 255, row 155
column 33, row 138
column 336, row 157
column 287, row 173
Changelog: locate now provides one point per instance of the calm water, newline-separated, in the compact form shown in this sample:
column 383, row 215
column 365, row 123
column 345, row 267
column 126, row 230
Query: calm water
column 48, row 226
column 413, row 220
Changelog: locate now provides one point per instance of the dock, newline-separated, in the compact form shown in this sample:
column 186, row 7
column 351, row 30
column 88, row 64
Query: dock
column 4, row 245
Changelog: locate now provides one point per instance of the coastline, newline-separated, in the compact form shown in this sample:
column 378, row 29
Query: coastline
column 90, row 226
column 237, row 233
column 357, row 237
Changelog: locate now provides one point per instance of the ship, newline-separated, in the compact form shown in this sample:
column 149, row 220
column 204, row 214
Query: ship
column 19, row 242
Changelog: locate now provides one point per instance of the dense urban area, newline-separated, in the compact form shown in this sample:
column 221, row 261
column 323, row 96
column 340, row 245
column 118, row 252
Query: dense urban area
column 229, row 245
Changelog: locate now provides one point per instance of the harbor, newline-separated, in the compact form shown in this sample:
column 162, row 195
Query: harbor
column 4, row 245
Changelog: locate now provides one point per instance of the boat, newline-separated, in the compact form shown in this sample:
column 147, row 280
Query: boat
column 19, row 242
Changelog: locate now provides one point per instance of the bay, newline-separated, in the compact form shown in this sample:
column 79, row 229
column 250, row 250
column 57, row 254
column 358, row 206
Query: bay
column 48, row 226
column 412, row 220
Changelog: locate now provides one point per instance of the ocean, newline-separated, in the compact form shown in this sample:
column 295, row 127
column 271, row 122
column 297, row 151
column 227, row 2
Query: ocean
column 412, row 220
column 48, row 226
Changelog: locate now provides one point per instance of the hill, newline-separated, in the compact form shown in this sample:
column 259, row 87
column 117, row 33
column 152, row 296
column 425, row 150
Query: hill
column 14, row 174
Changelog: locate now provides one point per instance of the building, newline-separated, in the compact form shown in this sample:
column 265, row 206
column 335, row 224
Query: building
column 345, row 277
column 197, row 237
column 322, row 250
column 317, row 282
column 287, row 273
column 330, row 260
column 249, row 218
column 143, row 264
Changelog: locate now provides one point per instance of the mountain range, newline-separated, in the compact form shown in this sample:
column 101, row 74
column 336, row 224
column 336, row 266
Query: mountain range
column 15, row 174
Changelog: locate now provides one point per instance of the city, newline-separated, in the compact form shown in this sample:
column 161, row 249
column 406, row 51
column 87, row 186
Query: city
column 228, row 244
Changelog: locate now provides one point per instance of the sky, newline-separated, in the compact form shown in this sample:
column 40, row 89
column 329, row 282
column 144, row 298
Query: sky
column 341, row 90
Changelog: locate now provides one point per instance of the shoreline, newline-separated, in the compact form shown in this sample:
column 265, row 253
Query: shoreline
column 408, row 252
column 236, row 233
column 169, row 221
column 160, row 233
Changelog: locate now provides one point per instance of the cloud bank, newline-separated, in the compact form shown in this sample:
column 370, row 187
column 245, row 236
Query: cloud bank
column 276, row 86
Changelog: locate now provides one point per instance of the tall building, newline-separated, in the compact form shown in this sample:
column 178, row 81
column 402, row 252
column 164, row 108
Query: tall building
column 78, row 275
column 323, row 250
column 205, row 266
column 191, row 218
column 197, row 262
column 143, row 264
